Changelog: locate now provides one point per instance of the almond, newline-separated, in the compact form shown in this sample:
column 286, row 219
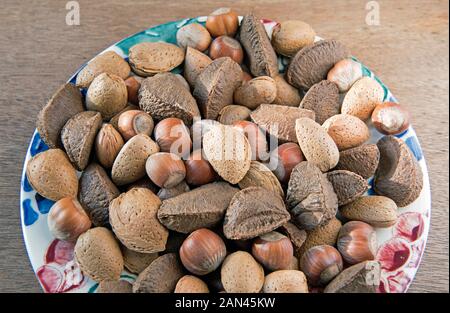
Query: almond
column 254, row 92
column 347, row 131
column 107, row 145
column 377, row 211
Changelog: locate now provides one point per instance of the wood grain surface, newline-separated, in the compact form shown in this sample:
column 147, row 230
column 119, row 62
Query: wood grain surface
column 38, row 52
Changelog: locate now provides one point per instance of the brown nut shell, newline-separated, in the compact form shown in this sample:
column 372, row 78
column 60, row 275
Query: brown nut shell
column 225, row 46
column 52, row 175
column 290, row 36
column 256, row 138
column 133, row 218
column 347, row 131
column 286, row 94
column 317, row 146
column 107, row 94
column 114, row 286
column 273, row 250
column 215, row 85
column 98, row 254
column 150, row 58
column 310, row 197
column 347, row 185
column 362, row 160
column 321, row 264
column 357, row 242
column 323, row 99
column 285, row 157
column 193, row 35
column 279, row 120
column 233, row 113
column 167, row 193
column 191, row 284
column 135, row 261
column 390, row 118
column 95, row 194
column 241, row 273
column 78, row 136
column 135, row 122
column 311, row 64
column 198, row 170
column 252, row 212
column 399, row 175
column 345, row 73
column 325, row 234
column 256, row 43
column 362, row 98
column 172, row 136
column 161, row 276
column 133, row 84
column 194, row 63
column 65, row 103
column 164, row 95
column 259, row 90
column 260, row 176
column 285, row 281
column 223, row 21
column 295, row 234
column 166, row 170
column 129, row 165
column 108, row 143
column 377, row 211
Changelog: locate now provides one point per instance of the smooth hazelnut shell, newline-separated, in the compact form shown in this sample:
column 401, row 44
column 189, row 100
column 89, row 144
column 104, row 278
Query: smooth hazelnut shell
column 273, row 250
column 357, row 242
column 223, row 21
column 198, row 170
column 390, row 118
column 135, row 122
column 166, row 170
column 225, row 46
column 321, row 264
column 67, row 220
column 171, row 130
column 133, row 86
column 202, row 252
column 287, row 156
column 256, row 138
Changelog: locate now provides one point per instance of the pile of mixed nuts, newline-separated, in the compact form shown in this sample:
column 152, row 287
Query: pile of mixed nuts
column 230, row 177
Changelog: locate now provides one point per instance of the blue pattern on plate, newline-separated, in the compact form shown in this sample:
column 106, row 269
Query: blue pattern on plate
column 414, row 146
column 37, row 145
column 44, row 204
column 29, row 215
column 26, row 184
column 371, row 191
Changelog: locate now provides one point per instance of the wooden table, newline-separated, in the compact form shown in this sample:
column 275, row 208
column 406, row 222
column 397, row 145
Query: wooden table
column 39, row 51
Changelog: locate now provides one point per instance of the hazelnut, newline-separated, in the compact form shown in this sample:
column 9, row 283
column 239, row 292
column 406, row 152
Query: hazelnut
column 67, row 220
column 357, row 242
column 273, row 250
column 321, row 264
column 193, row 35
column 390, row 118
column 172, row 136
column 345, row 73
column 223, row 21
column 133, row 86
column 225, row 46
column 135, row 122
column 202, row 251
column 107, row 145
column 286, row 156
column 246, row 76
column 256, row 138
column 107, row 94
column 165, row 169
column 198, row 170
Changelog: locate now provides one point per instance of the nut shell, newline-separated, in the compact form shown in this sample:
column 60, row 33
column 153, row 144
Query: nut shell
column 390, row 118
column 362, row 160
column 233, row 113
column 362, row 98
column 323, row 99
column 108, row 144
column 166, row 170
column 193, row 35
column 198, row 170
column 67, row 220
column 173, row 136
column 286, row 94
column 228, row 151
column 202, row 252
column 135, row 122
column 317, row 146
column 241, row 273
column 285, row 157
column 114, row 286
column 347, row 131
column 347, row 185
column 273, row 250
column 225, row 46
column 107, row 94
column 357, row 242
column 256, row 138
column 194, row 63
column 259, row 90
column 345, row 73
column 252, row 212
column 377, row 211
column 191, row 284
column 260, row 176
column 150, row 58
column 311, row 64
column 129, row 165
column 52, row 175
column 98, row 254
column 290, row 36
column 167, row 193
column 279, row 121
column 321, row 264
column 135, row 261
column 133, row 86
column 285, row 281
column 133, row 219
column 325, row 234
column 223, row 21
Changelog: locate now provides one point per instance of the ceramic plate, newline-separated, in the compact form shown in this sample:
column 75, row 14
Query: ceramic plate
column 400, row 247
